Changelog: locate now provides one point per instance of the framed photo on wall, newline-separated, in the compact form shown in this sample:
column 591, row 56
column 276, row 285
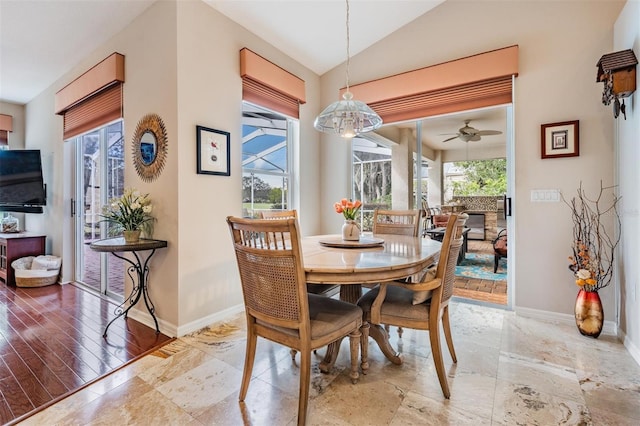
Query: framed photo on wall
column 560, row 139
column 213, row 149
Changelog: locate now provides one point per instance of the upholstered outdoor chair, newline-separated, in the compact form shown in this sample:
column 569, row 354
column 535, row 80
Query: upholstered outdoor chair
column 277, row 305
column 499, row 249
column 397, row 303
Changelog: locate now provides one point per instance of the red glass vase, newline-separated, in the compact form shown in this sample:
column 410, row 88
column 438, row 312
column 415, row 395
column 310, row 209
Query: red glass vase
column 589, row 313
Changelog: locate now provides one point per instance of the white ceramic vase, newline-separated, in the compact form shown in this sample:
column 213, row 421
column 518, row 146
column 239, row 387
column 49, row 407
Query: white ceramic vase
column 350, row 230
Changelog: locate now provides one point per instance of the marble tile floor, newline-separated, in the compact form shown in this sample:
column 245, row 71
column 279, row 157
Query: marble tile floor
column 511, row 371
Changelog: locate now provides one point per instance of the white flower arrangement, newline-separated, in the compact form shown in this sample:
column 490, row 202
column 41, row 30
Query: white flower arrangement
column 130, row 212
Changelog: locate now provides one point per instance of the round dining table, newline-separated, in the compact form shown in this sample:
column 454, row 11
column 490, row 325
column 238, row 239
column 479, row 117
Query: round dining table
column 373, row 259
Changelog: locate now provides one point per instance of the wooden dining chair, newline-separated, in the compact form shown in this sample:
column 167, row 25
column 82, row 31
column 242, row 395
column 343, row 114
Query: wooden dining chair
column 277, row 304
column 279, row 214
column 394, row 303
column 397, row 222
column 321, row 289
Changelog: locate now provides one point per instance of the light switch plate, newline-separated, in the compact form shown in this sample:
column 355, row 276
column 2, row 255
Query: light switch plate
column 545, row 195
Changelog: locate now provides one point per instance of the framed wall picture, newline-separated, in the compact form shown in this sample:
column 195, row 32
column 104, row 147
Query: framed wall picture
column 213, row 149
column 560, row 139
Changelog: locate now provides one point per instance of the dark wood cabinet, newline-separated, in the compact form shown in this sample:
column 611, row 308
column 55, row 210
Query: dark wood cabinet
column 15, row 246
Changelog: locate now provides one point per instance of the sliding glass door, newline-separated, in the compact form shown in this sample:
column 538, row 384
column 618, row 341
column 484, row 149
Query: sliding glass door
column 99, row 178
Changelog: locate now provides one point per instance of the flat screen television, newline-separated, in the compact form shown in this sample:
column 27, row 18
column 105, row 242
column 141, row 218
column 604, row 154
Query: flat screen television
column 21, row 185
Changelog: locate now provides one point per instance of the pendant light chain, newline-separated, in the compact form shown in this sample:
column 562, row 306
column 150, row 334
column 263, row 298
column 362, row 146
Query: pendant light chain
column 348, row 53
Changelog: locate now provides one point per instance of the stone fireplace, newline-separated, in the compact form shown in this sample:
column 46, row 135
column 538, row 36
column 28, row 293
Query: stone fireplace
column 486, row 215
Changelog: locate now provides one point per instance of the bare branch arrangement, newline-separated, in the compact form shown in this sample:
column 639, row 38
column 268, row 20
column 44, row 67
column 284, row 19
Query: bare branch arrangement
column 593, row 246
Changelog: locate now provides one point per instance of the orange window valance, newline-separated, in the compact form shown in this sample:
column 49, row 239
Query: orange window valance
column 266, row 84
column 473, row 82
column 94, row 98
column 6, row 126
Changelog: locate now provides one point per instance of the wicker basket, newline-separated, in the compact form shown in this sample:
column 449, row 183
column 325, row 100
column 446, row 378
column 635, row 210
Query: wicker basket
column 26, row 277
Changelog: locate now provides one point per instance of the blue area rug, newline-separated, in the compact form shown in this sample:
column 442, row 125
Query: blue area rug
column 480, row 266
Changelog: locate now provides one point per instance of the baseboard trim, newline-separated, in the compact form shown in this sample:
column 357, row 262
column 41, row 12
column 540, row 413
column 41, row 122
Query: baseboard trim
column 173, row 331
column 208, row 320
column 633, row 349
column 609, row 327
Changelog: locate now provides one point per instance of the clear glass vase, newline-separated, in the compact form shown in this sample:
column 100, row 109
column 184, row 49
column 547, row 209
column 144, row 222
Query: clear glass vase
column 10, row 224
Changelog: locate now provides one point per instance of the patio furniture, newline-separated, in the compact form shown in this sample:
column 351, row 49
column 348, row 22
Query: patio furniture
column 499, row 249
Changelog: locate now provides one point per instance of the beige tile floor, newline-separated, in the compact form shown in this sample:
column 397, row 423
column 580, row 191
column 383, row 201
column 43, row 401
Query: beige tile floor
column 511, row 371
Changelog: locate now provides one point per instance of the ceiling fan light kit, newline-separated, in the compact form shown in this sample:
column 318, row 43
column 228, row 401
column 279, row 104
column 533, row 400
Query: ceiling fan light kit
column 347, row 117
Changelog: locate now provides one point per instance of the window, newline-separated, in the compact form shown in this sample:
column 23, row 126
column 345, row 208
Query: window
column 266, row 160
column 371, row 178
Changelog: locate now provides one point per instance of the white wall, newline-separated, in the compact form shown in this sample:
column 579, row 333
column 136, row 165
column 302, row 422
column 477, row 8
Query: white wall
column 560, row 43
column 210, row 94
column 626, row 133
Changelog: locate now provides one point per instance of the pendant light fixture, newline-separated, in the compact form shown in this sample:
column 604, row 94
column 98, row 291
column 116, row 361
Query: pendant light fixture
column 347, row 117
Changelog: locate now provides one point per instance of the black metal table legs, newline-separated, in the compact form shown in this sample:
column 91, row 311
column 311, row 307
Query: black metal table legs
column 139, row 274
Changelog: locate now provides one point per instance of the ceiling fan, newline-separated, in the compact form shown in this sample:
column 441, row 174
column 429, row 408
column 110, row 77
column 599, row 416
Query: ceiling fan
column 468, row 133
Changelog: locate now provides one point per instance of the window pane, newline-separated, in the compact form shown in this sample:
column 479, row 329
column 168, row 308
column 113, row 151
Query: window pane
column 265, row 161
column 262, row 192
column 371, row 178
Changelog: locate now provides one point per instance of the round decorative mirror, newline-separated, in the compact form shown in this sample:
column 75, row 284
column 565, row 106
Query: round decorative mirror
column 149, row 147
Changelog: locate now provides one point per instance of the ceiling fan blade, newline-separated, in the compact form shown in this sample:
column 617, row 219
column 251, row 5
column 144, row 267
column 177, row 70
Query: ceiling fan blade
column 446, row 134
column 450, row 139
column 488, row 132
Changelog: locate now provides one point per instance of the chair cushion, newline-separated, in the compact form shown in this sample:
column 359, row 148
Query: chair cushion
column 423, row 296
column 397, row 303
column 440, row 220
column 326, row 316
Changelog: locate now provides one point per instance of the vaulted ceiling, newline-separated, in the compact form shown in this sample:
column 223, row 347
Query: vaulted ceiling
column 42, row 40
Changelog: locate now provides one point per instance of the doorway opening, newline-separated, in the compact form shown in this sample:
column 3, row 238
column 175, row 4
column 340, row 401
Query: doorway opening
column 461, row 165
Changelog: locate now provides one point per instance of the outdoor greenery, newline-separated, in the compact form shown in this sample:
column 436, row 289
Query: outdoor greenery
column 262, row 192
column 482, row 177
column 372, row 179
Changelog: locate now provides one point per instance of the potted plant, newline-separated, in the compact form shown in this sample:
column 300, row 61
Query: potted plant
column 593, row 249
column 131, row 213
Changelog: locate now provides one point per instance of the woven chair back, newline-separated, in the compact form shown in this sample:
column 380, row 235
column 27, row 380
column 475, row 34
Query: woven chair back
column 271, row 270
column 452, row 242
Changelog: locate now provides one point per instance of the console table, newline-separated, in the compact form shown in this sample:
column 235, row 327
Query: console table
column 138, row 271
column 16, row 245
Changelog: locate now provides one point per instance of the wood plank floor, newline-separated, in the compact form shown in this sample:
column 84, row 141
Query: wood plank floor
column 51, row 345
